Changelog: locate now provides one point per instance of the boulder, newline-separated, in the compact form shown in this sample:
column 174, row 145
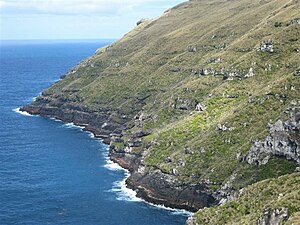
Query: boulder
column 297, row 73
column 191, row 49
column 267, row 46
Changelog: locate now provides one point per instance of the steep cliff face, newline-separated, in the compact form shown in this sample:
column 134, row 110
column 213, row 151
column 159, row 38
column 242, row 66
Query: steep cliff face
column 197, row 104
column 283, row 139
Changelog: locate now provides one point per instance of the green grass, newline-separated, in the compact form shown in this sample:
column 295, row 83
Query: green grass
column 135, row 77
column 267, row 195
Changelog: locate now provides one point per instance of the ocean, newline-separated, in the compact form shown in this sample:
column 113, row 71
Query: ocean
column 51, row 172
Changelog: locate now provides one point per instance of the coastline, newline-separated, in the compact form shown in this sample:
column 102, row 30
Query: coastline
column 131, row 193
column 153, row 186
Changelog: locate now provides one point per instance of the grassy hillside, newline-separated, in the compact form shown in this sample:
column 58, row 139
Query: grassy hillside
column 203, row 81
column 265, row 196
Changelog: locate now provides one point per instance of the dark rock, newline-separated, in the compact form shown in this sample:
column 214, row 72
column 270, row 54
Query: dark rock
column 140, row 134
column 160, row 188
column 125, row 160
column 184, row 104
column 140, row 22
column 63, row 76
column 134, row 142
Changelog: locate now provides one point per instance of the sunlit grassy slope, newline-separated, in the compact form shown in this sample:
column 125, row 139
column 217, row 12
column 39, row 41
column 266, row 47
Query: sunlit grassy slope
column 160, row 66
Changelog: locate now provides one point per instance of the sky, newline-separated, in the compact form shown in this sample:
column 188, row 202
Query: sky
column 75, row 19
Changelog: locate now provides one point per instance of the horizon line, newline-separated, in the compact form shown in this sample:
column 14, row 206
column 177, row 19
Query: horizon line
column 63, row 39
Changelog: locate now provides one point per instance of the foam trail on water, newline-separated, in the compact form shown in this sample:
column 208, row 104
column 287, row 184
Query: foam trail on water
column 173, row 211
column 72, row 126
column 17, row 110
column 110, row 165
column 91, row 135
column 124, row 193
column 119, row 187
column 69, row 125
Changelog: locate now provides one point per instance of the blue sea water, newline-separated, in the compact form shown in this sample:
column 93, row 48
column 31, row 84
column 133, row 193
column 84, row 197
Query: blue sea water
column 51, row 172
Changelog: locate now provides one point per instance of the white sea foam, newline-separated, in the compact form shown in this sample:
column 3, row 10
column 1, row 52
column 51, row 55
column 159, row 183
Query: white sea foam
column 174, row 211
column 91, row 135
column 72, row 126
column 69, row 125
column 17, row 110
column 119, row 187
column 110, row 165
column 54, row 119
column 124, row 193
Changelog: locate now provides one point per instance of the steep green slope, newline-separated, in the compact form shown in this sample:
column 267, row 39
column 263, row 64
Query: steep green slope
column 205, row 97
column 280, row 197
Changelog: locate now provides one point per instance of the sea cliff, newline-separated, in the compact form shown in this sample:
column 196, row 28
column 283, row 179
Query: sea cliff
column 198, row 105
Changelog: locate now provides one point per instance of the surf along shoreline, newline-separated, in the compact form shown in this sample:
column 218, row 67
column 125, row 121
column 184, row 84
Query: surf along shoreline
column 111, row 163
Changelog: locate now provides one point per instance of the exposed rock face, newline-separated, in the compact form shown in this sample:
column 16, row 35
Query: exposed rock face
column 157, row 187
column 153, row 186
column 101, row 123
column 226, row 73
column 284, row 140
column 126, row 160
column 226, row 192
column 185, row 104
column 276, row 217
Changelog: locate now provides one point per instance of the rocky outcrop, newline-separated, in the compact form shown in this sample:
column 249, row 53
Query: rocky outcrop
column 191, row 49
column 141, row 21
column 276, row 217
column 126, row 160
column 154, row 185
column 266, row 46
column 101, row 123
column 185, row 104
column 283, row 140
column 160, row 188
column 227, row 74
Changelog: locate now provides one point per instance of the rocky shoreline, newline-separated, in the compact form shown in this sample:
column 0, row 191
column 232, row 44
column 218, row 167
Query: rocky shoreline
column 151, row 185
